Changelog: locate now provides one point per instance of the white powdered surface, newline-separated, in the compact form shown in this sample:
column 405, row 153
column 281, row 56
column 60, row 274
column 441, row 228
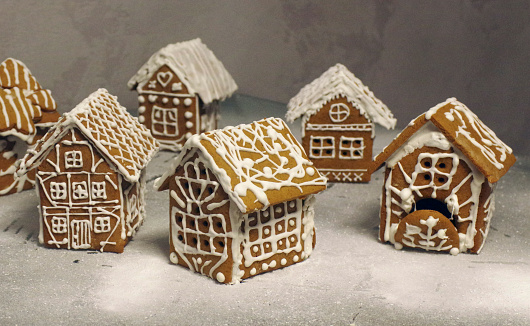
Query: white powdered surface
column 351, row 278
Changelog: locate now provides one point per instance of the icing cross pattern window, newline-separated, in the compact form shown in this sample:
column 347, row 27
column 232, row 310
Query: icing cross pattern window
column 73, row 159
column 164, row 121
column 59, row 224
column 339, row 112
column 351, row 148
column 322, row 147
column 102, row 224
column 79, row 190
column 98, row 190
column 58, row 190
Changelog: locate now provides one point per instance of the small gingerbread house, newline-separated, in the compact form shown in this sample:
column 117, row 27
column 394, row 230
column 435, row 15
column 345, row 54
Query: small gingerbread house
column 338, row 115
column 91, row 176
column 241, row 201
column 439, row 180
column 27, row 111
column 179, row 89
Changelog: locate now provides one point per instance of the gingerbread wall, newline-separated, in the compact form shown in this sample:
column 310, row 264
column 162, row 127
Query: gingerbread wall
column 458, row 191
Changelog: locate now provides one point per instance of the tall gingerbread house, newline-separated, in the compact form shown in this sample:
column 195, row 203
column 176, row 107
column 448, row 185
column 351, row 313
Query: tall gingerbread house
column 179, row 90
column 91, row 176
column 338, row 114
column 241, row 201
column 27, row 111
column 440, row 176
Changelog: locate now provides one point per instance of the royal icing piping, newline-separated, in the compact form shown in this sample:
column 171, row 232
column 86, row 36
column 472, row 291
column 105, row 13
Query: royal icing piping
column 196, row 66
column 338, row 81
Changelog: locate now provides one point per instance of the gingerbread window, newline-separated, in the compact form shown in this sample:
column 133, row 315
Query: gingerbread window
column 102, row 224
column 79, row 190
column 73, row 159
column 58, row 190
column 339, row 112
column 98, row 190
column 322, row 147
column 59, row 224
column 164, row 121
column 351, row 148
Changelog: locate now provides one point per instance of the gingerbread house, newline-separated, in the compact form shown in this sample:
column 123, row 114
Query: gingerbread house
column 439, row 181
column 91, row 176
column 179, row 90
column 241, row 201
column 338, row 114
column 27, row 111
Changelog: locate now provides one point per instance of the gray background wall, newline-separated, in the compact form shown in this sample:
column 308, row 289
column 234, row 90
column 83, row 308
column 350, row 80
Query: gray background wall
column 413, row 54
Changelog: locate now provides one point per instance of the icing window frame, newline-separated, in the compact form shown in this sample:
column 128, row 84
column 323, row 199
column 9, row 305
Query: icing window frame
column 79, row 190
column 59, row 224
column 73, row 159
column 102, row 224
column 58, row 190
column 98, row 190
column 322, row 147
column 351, row 148
column 339, row 112
column 165, row 118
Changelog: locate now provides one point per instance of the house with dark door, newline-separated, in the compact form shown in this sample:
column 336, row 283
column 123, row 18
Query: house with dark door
column 439, row 181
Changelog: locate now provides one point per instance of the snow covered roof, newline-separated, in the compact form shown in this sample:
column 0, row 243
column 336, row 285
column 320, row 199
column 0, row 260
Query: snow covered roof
column 23, row 103
column 109, row 127
column 458, row 124
column 196, row 66
column 338, row 80
column 257, row 164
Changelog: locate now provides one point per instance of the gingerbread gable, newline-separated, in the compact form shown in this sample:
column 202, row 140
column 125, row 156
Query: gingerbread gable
column 23, row 103
column 109, row 127
column 258, row 165
column 465, row 131
column 335, row 82
column 195, row 65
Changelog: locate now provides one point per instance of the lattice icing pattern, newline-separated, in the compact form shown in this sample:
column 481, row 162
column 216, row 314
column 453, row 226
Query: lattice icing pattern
column 259, row 159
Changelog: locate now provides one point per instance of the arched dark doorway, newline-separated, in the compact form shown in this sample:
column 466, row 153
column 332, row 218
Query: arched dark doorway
column 432, row 204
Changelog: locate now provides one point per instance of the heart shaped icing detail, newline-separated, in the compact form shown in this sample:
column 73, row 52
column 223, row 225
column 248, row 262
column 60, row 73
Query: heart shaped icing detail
column 164, row 78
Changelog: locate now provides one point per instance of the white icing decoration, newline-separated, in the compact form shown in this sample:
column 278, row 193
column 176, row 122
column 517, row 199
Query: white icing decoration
column 141, row 119
column 141, row 109
column 97, row 215
column 338, row 81
column 283, row 261
column 189, row 124
column 188, row 115
column 176, row 101
column 164, row 77
column 187, row 101
column 175, row 87
column 152, row 98
column 220, row 277
column 195, row 65
column 165, row 100
column 273, row 237
column 141, row 99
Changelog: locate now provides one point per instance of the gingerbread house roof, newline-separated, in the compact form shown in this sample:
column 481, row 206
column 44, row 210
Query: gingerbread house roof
column 197, row 67
column 258, row 164
column 462, row 128
column 339, row 81
column 109, row 127
column 23, row 103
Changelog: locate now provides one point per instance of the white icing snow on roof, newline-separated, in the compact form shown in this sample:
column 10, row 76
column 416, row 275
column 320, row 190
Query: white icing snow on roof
column 338, row 80
column 197, row 67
